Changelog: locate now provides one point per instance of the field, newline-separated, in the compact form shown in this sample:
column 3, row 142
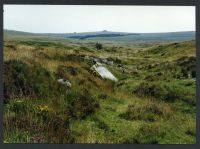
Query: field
column 153, row 101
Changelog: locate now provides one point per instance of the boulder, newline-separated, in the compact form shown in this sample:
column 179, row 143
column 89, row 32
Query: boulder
column 104, row 72
column 65, row 82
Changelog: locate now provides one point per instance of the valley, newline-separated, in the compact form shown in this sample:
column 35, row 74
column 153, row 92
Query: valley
column 118, row 89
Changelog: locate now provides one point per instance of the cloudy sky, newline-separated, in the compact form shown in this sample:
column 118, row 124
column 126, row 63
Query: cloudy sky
column 67, row 19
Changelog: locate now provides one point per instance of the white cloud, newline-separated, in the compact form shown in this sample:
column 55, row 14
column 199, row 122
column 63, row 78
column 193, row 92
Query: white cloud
column 60, row 18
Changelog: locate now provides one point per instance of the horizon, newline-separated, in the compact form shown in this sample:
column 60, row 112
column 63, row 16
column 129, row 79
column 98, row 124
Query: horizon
column 76, row 18
column 97, row 31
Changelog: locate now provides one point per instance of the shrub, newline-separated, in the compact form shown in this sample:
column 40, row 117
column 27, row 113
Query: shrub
column 101, row 124
column 191, row 129
column 59, row 131
column 164, row 91
column 102, row 96
column 165, row 70
column 117, row 61
column 13, row 47
column 15, row 78
column 188, row 65
column 81, row 104
column 149, row 134
column 73, row 70
column 150, row 89
column 147, row 112
column 20, row 79
column 61, row 72
column 65, row 71
column 98, row 46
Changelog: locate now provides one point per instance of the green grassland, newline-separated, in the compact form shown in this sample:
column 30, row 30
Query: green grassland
column 153, row 102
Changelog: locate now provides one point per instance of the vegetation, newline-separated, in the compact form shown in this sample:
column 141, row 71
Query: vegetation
column 98, row 46
column 153, row 101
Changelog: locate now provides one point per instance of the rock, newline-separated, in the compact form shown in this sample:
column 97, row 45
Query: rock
column 98, row 63
column 104, row 61
column 96, row 60
column 99, row 60
column 110, row 63
column 104, row 72
column 65, row 83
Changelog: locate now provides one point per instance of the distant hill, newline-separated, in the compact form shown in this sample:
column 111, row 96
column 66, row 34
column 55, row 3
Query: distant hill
column 111, row 36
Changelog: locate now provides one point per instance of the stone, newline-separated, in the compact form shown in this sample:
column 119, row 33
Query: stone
column 65, row 82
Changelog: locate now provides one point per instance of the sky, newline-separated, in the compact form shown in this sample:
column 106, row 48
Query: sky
column 76, row 18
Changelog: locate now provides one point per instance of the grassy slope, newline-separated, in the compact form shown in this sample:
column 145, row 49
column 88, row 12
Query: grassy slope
column 123, row 116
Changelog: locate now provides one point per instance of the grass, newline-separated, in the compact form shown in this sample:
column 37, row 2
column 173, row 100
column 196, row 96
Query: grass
column 152, row 103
